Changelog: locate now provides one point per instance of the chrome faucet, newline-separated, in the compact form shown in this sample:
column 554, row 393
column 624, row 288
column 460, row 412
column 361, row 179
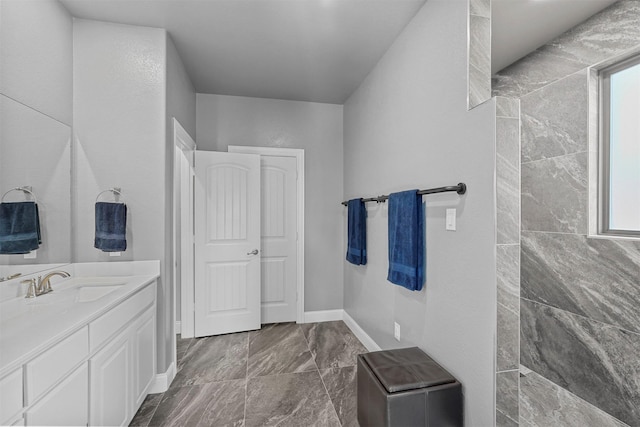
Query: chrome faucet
column 43, row 286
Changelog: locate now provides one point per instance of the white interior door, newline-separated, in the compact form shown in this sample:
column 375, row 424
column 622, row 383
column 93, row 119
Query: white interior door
column 227, row 242
column 279, row 251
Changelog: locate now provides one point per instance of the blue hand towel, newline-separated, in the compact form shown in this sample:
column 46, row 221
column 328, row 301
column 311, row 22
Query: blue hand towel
column 111, row 227
column 406, row 240
column 357, row 232
column 19, row 227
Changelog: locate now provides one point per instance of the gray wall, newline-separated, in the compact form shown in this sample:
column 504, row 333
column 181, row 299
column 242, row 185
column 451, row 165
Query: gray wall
column 317, row 128
column 580, row 324
column 407, row 126
column 119, row 90
column 35, row 118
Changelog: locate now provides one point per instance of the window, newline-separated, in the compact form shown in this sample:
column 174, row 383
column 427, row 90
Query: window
column 620, row 148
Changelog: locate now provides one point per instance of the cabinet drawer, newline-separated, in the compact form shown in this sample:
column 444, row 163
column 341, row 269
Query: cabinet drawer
column 49, row 367
column 10, row 396
column 112, row 321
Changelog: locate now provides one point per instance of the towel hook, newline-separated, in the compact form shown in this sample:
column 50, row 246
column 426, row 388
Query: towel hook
column 114, row 190
column 25, row 189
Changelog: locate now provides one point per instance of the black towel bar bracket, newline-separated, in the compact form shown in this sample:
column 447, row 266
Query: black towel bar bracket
column 461, row 188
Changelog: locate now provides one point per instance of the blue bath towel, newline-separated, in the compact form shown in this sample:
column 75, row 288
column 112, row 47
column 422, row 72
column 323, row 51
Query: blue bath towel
column 19, row 227
column 111, row 227
column 406, row 240
column 357, row 232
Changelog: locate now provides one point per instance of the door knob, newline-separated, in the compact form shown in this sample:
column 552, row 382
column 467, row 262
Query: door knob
column 253, row 252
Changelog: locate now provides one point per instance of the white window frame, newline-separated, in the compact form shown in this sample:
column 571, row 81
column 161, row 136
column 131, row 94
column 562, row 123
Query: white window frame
column 603, row 76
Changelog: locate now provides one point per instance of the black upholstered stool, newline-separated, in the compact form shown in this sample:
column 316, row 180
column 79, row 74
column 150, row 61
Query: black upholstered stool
column 405, row 387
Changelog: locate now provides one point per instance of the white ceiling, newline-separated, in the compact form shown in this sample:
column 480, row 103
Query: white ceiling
column 521, row 26
column 306, row 50
column 314, row 50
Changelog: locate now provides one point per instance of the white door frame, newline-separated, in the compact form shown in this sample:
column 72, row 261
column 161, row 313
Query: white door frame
column 298, row 154
column 183, row 142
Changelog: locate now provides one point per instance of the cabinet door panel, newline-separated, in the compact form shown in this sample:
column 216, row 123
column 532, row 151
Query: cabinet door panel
column 66, row 405
column 110, row 383
column 144, row 354
column 10, row 395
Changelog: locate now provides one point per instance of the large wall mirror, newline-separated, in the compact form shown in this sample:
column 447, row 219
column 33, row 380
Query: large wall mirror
column 35, row 125
column 35, row 152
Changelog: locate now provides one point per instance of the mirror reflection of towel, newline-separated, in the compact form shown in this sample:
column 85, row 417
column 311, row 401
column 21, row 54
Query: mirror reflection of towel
column 19, row 227
column 111, row 227
column 406, row 240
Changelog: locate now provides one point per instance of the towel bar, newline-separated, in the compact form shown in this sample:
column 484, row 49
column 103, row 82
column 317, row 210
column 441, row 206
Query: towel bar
column 461, row 188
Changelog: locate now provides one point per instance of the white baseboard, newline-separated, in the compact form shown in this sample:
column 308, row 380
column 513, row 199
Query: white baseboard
column 322, row 316
column 330, row 315
column 178, row 327
column 162, row 382
column 364, row 338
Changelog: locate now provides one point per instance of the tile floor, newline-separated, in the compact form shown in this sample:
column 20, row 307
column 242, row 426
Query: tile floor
column 284, row 374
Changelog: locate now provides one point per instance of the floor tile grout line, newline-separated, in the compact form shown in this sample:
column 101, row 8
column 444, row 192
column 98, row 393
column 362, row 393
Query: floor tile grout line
column 152, row 413
column 321, row 379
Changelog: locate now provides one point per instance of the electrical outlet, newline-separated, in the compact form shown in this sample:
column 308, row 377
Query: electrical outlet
column 396, row 331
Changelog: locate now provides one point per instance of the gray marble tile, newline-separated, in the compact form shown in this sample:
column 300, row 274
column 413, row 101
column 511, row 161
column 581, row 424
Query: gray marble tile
column 507, row 107
column 507, row 395
column 508, row 139
column 480, row 8
column 508, row 276
column 218, row 403
column 507, row 339
column 342, row 388
column 597, row 362
column 543, row 403
column 605, row 35
column 479, row 86
column 480, row 44
column 503, row 421
column 146, row 410
column 332, row 344
column 536, row 70
column 555, row 119
column 278, row 348
column 182, row 345
column 223, row 357
column 554, row 194
column 298, row 399
column 596, row 278
column 508, row 180
column 479, row 58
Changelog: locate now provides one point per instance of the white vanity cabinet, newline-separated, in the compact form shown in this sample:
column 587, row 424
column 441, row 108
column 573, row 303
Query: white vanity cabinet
column 121, row 373
column 11, row 397
column 65, row 405
column 96, row 373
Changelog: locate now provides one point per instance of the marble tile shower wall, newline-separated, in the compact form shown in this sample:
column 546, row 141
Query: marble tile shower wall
column 479, row 65
column 507, row 260
column 580, row 322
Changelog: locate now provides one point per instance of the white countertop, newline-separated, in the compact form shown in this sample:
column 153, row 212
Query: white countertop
column 29, row 326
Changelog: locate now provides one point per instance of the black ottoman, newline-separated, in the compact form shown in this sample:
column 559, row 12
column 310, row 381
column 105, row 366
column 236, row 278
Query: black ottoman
column 405, row 387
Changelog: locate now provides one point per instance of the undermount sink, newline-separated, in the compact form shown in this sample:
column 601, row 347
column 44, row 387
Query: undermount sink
column 90, row 293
